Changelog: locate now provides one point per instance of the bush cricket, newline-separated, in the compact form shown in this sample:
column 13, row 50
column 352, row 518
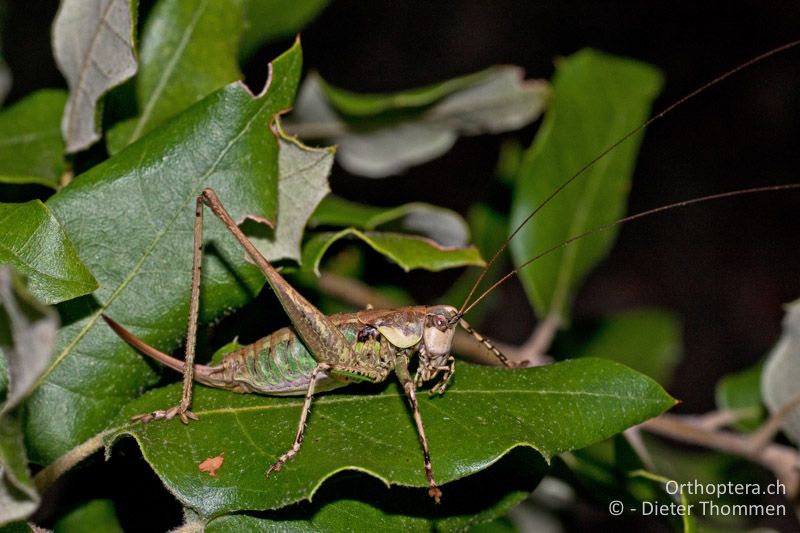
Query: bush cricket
column 319, row 353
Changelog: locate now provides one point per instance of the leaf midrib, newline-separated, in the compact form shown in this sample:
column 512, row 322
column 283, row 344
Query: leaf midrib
column 167, row 74
column 354, row 399
column 135, row 270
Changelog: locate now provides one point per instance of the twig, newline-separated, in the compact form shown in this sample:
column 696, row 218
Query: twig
column 47, row 476
column 781, row 460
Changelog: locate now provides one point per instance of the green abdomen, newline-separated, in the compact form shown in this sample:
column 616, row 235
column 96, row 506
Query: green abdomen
column 280, row 364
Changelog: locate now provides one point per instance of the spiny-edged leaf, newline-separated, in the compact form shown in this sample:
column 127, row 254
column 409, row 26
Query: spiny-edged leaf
column 189, row 50
column 130, row 219
column 780, row 380
column 303, row 183
column 35, row 244
column 352, row 498
column 647, row 340
column 602, row 98
column 741, row 393
column 408, row 251
column 383, row 134
column 96, row 515
column 267, row 20
column 27, row 336
column 482, row 416
column 442, row 225
column 93, row 47
column 31, row 149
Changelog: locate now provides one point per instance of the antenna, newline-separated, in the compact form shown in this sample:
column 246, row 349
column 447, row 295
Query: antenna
column 465, row 308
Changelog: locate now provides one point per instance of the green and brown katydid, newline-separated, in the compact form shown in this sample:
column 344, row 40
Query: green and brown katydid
column 319, row 352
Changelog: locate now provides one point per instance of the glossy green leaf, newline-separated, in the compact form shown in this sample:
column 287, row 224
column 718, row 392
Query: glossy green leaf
column 408, row 251
column 27, row 336
column 442, row 225
column 602, row 98
column 93, row 47
column 383, row 134
column 130, row 219
column 741, row 393
column 35, row 244
column 96, row 515
column 189, row 50
column 780, row 379
column 486, row 413
column 267, row 20
column 352, row 498
column 31, row 149
column 647, row 340
column 303, row 183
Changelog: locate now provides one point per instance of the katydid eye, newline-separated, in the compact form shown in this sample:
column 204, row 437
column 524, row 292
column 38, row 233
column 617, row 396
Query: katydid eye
column 440, row 322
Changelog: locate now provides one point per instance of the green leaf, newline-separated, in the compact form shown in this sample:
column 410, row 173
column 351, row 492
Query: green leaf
column 597, row 99
column 18, row 496
column 268, row 20
column 352, row 498
column 383, row 134
column 35, row 244
column 130, row 219
column 486, row 413
column 96, row 515
column 303, row 183
column 780, row 380
column 31, row 149
column 647, row 340
column 27, row 336
column 408, row 251
column 741, row 393
column 442, row 225
column 189, row 50
column 93, row 47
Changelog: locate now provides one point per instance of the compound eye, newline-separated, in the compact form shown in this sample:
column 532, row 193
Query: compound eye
column 440, row 322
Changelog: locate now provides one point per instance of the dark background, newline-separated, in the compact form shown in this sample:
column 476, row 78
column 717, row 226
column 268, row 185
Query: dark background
column 725, row 268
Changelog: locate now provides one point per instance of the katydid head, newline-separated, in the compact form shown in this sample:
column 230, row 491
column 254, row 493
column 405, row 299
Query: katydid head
column 437, row 339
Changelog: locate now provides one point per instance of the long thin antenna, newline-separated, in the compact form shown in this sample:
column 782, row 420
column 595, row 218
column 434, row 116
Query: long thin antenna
column 684, row 203
column 613, row 146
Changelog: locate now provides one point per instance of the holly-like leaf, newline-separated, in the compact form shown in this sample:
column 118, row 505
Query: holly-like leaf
column 35, row 244
column 350, row 498
column 382, row 135
column 93, row 47
column 780, row 379
column 27, row 336
column 486, row 413
column 31, row 148
column 303, row 183
column 603, row 98
column 408, row 251
column 130, row 219
column 267, row 20
column 442, row 225
column 189, row 50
